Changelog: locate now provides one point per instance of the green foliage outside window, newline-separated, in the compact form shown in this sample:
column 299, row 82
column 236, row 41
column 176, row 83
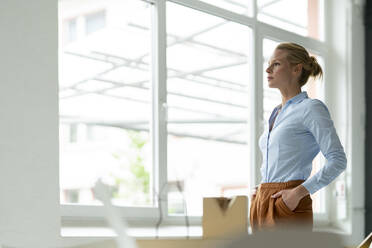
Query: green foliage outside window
column 133, row 185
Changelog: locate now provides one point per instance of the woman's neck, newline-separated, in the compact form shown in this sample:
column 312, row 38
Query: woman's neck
column 288, row 94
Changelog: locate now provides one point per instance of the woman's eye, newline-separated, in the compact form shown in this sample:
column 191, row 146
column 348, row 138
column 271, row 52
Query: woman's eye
column 273, row 64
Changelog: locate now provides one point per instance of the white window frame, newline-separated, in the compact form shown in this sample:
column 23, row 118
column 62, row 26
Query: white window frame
column 149, row 215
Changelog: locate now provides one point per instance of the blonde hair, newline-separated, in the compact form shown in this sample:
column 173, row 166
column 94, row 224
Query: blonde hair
column 298, row 55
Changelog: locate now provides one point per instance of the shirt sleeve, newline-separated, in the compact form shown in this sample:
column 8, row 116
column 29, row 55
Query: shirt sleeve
column 318, row 121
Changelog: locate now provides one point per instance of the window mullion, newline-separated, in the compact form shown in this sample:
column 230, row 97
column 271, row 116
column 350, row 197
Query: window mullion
column 159, row 110
column 256, row 103
column 255, row 10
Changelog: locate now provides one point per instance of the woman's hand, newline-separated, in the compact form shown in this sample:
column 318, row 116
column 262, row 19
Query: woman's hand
column 291, row 197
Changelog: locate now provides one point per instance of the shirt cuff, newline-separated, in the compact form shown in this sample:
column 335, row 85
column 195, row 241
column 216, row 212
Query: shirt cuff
column 310, row 186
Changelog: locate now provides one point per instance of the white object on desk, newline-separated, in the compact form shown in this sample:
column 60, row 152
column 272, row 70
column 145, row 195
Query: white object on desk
column 102, row 193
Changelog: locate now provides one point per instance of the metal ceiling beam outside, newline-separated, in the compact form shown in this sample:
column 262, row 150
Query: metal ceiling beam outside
column 178, row 134
column 120, row 84
column 268, row 4
column 192, row 41
column 84, row 92
column 170, row 93
column 72, row 119
column 283, row 20
column 183, row 75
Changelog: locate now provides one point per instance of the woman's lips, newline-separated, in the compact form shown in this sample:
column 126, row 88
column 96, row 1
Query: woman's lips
column 269, row 78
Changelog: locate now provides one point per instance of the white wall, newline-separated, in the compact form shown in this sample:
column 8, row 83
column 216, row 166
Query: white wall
column 29, row 204
column 346, row 100
column 357, row 113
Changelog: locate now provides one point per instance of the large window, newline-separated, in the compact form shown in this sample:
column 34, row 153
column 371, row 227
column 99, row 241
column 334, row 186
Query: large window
column 105, row 101
column 208, row 98
column 164, row 100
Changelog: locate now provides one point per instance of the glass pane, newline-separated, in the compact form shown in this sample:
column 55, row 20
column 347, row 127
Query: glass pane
column 208, row 97
column 272, row 98
column 94, row 22
column 105, row 100
column 243, row 7
column 305, row 16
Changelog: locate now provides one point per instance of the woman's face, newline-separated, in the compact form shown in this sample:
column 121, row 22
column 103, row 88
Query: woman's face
column 280, row 73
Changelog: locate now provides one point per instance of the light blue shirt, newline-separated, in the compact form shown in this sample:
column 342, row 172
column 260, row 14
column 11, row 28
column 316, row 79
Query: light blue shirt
column 301, row 129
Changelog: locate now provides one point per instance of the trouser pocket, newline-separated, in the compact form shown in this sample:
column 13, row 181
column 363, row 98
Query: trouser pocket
column 305, row 205
column 281, row 209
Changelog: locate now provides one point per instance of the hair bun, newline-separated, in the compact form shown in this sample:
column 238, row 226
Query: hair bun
column 315, row 67
column 313, row 62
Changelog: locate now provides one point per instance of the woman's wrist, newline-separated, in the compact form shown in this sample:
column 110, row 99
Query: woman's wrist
column 301, row 191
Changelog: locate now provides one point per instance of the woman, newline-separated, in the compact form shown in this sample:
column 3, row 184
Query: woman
column 298, row 129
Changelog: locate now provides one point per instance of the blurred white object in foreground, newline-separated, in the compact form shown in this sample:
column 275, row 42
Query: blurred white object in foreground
column 102, row 193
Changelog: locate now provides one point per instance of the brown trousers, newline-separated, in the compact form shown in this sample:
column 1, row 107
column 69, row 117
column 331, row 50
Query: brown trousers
column 271, row 213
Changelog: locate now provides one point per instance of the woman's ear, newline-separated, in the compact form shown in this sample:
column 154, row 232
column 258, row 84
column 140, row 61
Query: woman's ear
column 298, row 68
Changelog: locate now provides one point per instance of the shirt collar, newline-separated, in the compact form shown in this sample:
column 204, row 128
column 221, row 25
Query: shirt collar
column 301, row 96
